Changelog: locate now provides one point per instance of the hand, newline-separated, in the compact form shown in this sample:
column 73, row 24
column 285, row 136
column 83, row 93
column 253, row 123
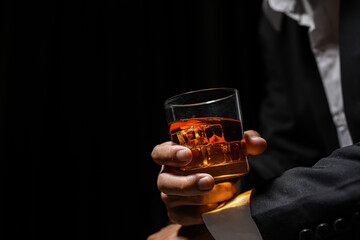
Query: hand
column 178, row 232
column 188, row 197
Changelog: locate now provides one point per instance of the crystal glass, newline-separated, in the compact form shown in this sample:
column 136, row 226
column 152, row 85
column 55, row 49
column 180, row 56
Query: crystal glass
column 209, row 123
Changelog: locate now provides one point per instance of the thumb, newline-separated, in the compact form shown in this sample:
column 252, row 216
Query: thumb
column 255, row 144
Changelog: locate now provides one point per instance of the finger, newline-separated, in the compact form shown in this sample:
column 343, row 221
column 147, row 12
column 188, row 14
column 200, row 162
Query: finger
column 168, row 232
column 190, row 215
column 190, row 185
column 255, row 144
column 171, row 154
column 220, row 193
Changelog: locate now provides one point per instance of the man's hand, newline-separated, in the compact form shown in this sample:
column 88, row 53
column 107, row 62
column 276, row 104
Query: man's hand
column 178, row 232
column 188, row 197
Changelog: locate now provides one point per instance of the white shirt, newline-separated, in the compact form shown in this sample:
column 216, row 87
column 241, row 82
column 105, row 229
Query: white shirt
column 322, row 18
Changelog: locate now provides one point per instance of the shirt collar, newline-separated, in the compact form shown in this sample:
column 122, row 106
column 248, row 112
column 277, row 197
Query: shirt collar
column 299, row 10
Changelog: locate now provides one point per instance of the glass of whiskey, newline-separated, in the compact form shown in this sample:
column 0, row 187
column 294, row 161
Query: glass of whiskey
column 209, row 123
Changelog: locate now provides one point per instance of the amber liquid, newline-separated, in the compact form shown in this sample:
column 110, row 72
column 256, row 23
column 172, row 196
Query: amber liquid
column 217, row 146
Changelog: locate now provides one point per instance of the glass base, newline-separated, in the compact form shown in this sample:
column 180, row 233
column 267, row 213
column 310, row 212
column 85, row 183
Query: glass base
column 227, row 177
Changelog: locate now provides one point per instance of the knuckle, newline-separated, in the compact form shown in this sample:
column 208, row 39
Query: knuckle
column 174, row 217
column 187, row 184
column 163, row 153
column 160, row 183
column 182, row 187
column 164, row 198
column 154, row 151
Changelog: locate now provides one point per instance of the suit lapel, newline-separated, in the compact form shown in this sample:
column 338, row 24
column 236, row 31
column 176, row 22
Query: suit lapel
column 350, row 63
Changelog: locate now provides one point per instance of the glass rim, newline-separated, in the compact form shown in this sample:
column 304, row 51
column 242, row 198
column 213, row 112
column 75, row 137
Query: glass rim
column 168, row 104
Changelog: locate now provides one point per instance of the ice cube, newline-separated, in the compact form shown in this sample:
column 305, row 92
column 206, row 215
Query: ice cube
column 179, row 137
column 199, row 158
column 214, row 133
column 237, row 150
column 192, row 136
column 175, row 138
column 218, row 153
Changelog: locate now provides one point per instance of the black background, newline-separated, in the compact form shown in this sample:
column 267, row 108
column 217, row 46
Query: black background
column 82, row 91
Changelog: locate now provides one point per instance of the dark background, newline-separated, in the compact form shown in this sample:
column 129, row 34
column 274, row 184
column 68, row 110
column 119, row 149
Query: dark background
column 82, row 86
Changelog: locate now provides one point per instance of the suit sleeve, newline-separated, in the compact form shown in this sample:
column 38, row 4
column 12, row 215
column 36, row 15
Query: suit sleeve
column 302, row 199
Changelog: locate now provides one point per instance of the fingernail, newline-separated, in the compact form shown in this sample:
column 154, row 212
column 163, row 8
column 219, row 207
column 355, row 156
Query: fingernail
column 205, row 183
column 183, row 155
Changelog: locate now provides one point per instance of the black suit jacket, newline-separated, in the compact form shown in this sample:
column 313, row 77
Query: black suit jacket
column 307, row 187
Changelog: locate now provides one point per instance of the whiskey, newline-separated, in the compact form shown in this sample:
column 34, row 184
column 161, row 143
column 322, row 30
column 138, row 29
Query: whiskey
column 217, row 146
